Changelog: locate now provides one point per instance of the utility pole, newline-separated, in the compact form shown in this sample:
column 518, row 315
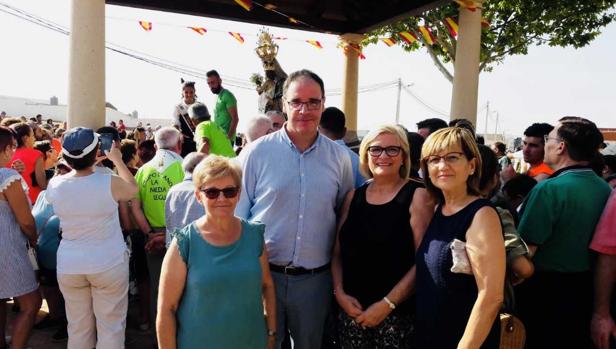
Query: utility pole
column 398, row 101
column 496, row 126
column 485, row 132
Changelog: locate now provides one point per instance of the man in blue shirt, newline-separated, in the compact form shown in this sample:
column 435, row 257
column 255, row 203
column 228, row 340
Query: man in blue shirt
column 332, row 126
column 294, row 181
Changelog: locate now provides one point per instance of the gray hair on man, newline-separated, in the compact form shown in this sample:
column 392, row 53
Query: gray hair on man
column 258, row 127
column 191, row 161
column 167, row 137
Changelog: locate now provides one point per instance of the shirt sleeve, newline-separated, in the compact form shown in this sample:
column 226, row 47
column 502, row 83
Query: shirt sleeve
column 514, row 245
column 182, row 238
column 604, row 240
column 249, row 183
column 347, row 181
column 230, row 100
column 176, row 116
column 538, row 216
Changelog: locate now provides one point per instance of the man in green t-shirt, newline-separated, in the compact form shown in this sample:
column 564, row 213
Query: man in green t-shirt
column 154, row 179
column 557, row 222
column 210, row 138
column 225, row 112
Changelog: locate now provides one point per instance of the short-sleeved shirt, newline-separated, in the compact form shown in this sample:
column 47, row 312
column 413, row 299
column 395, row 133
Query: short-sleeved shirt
column 543, row 168
column 29, row 156
column 221, row 305
column 604, row 240
column 154, row 180
column 222, row 117
column 219, row 143
column 560, row 215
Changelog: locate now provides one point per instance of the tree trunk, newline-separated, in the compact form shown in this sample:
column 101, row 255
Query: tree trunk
column 441, row 67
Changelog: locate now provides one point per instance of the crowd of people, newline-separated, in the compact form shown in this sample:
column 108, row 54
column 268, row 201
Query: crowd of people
column 289, row 238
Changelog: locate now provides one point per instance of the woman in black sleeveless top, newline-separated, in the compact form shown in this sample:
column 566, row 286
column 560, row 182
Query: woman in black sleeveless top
column 373, row 264
column 458, row 310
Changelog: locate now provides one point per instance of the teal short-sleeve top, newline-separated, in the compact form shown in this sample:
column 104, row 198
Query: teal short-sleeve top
column 221, row 306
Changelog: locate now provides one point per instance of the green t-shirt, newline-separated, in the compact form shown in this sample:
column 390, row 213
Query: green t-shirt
column 219, row 143
column 222, row 117
column 560, row 215
column 154, row 185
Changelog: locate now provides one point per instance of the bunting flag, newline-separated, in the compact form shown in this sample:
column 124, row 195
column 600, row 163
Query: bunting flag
column 452, row 26
column 408, row 37
column 485, row 23
column 147, row 26
column 315, row 43
column 293, row 20
column 246, row 4
column 389, row 42
column 355, row 48
column 470, row 5
column 237, row 36
column 199, row 30
column 427, row 35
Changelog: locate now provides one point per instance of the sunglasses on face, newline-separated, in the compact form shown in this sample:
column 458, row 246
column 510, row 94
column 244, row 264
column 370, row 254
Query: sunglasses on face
column 214, row 193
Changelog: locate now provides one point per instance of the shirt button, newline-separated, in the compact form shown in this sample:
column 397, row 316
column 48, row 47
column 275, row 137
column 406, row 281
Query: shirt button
column 298, row 238
column 302, row 175
column 301, row 216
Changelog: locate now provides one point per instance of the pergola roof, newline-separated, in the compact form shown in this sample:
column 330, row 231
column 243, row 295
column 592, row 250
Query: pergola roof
column 329, row 16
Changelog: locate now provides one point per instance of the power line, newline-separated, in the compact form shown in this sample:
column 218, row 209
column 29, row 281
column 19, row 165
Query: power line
column 422, row 102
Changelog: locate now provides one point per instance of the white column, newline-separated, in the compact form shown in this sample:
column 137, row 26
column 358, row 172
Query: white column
column 86, row 91
column 350, row 83
column 466, row 68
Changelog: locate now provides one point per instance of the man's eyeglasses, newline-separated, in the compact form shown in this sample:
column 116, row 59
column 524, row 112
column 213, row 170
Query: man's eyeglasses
column 312, row 104
column 214, row 193
column 391, row 151
column 450, row 159
column 546, row 138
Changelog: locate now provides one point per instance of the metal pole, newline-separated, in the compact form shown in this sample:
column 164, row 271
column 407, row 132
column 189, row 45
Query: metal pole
column 496, row 126
column 485, row 132
column 398, row 101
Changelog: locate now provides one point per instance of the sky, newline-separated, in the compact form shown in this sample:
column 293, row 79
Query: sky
column 542, row 86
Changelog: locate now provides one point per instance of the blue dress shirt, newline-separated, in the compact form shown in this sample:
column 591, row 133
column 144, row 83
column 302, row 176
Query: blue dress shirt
column 296, row 195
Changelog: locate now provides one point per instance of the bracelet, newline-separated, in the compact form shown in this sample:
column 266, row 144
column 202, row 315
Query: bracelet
column 271, row 333
column 391, row 304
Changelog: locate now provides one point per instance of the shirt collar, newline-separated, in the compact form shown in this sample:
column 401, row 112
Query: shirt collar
column 286, row 139
column 570, row 168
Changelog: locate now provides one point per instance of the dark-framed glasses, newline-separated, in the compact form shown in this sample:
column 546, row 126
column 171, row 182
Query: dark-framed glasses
column 311, row 104
column 452, row 158
column 391, row 151
column 214, row 193
column 546, row 138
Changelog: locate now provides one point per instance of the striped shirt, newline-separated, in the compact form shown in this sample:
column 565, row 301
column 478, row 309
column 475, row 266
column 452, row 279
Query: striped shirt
column 296, row 195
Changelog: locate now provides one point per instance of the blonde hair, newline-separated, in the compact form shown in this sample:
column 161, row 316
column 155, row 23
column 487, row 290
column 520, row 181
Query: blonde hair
column 405, row 169
column 443, row 140
column 215, row 167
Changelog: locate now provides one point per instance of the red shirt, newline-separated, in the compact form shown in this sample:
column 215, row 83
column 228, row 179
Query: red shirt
column 604, row 240
column 29, row 157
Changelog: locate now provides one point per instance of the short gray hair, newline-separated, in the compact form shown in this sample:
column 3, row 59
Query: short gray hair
column 258, row 127
column 271, row 113
column 167, row 137
column 199, row 111
column 191, row 161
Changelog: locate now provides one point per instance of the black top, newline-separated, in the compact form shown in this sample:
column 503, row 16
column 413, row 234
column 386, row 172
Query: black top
column 445, row 299
column 376, row 246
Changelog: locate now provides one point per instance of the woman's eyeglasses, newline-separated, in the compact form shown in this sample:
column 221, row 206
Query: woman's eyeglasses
column 450, row 159
column 214, row 193
column 391, row 151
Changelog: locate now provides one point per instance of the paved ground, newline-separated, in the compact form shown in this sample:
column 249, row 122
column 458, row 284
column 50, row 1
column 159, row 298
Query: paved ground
column 41, row 339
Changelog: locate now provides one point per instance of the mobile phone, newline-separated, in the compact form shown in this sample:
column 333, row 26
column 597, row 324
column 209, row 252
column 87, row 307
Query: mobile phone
column 106, row 140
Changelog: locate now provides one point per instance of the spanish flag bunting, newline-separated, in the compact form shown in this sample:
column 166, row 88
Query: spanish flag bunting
column 485, row 23
column 452, row 26
column 315, row 43
column 408, row 37
column 427, row 35
column 389, row 41
column 355, row 48
column 237, row 36
column 293, row 20
column 147, row 26
column 470, row 5
column 246, row 4
column 199, row 30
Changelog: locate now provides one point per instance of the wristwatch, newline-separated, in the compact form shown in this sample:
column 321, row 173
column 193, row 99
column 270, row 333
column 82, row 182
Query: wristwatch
column 271, row 333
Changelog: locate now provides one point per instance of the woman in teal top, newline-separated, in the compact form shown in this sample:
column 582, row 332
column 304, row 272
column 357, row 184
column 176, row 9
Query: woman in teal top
column 215, row 279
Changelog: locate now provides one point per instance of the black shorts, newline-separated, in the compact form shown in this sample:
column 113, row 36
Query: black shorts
column 138, row 262
column 48, row 277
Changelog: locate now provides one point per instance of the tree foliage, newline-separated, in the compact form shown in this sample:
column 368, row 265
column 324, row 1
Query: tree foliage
column 514, row 26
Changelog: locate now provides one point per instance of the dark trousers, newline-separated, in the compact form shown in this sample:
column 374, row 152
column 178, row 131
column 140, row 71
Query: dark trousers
column 556, row 309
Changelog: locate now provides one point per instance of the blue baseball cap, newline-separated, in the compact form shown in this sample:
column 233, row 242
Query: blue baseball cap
column 79, row 142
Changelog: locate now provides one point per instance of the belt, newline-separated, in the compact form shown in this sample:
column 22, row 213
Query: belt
column 291, row 270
